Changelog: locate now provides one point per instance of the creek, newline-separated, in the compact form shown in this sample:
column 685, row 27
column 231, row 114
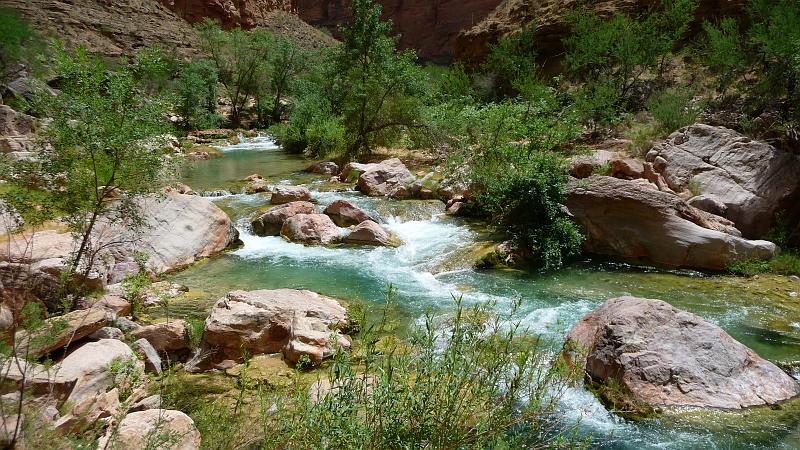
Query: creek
column 434, row 264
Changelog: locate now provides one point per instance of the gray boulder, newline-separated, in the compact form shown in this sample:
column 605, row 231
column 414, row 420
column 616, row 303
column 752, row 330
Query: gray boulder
column 665, row 357
column 752, row 179
column 389, row 178
column 620, row 218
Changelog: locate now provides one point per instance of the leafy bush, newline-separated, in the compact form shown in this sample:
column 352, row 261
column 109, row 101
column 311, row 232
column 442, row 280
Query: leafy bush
column 673, row 109
column 196, row 86
column 326, row 138
column 611, row 56
column 512, row 59
column 722, row 51
column 782, row 264
column 474, row 381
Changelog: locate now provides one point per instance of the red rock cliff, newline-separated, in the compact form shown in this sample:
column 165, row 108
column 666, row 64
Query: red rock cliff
column 429, row 26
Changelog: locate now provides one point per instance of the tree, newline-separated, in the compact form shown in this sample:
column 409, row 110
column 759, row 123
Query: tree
column 241, row 59
column 287, row 62
column 376, row 88
column 96, row 156
column 512, row 59
column 197, row 91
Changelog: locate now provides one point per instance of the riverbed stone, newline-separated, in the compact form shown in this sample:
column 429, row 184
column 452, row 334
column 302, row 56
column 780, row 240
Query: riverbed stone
column 583, row 166
column 324, row 168
column 88, row 412
column 152, row 362
column 665, row 357
column 107, row 333
column 90, row 364
column 370, row 233
column 345, row 213
column 170, row 338
column 352, row 170
column 389, row 178
column 114, row 303
column 621, row 219
column 270, row 222
column 752, row 178
column 40, row 382
column 140, row 427
column 271, row 321
column 255, row 184
column 61, row 331
column 288, row 194
column 312, row 229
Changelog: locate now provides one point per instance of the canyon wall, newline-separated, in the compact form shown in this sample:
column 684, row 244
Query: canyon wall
column 229, row 13
column 428, row 26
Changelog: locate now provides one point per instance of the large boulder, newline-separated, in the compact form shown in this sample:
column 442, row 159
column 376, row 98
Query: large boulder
column 91, row 366
column 39, row 381
column 370, row 233
column 178, row 230
column 270, row 222
column 271, row 321
column 345, row 214
column 621, row 218
column 388, row 178
column 324, row 168
column 311, row 229
column 352, row 170
column 171, row 338
column 288, row 194
column 752, row 179
column 583, row 166
column 660, row 356
column 61, row 331
column 157, row 428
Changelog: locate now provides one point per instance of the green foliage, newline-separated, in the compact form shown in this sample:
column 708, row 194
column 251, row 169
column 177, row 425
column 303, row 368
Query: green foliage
column 508, row 151
column 97, row 146
column 476, row 380
column 673, row 109
column 512, row 59
column 722, row 51
column 19, row 43
column 782, row 264
column 613, row 55
column 287, row 62
column 136, row 286
column 195, row 328
column 241, row 59
column 376, row 89
column 196, row 86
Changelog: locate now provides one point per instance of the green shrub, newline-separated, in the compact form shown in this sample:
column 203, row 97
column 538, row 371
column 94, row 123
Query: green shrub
column 474, row 381
column 673, row 109
column 196, row 87
column 782, row 264
column 512, row 59
column 326, row 138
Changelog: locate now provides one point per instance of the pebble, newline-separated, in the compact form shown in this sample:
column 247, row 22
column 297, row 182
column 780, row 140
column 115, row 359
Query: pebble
column 793, row 294
column 794, row 278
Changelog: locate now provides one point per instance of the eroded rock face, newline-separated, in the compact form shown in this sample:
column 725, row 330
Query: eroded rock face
column 270, row 222
column 40, row 381
column 138, row 428
column 345, row 213
column 666, row 357
column 288, row 194
column 751, row 178
column 370, row 233
column 312, row 229
column 389, row 178
column 271, row 321
column 619, row 218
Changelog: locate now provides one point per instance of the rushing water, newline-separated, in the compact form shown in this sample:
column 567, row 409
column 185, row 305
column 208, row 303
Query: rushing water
column 432, row 265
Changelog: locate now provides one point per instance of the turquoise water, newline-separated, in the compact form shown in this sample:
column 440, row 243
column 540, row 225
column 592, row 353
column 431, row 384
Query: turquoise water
column 432, row 266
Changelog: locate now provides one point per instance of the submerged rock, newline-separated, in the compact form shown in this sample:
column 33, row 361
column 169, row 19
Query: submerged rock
column 620, row 218
column 271, row 321
column 270, row 222
column 311, row 229
column 288, row 194
column 658, row 355
column 370, row 233
column 752, row 179
column 388, row 178
column 345, row 214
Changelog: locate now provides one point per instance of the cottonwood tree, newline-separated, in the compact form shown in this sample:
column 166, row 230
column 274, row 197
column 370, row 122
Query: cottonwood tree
column 376, row 88
column 96, row 156
column 241, row 59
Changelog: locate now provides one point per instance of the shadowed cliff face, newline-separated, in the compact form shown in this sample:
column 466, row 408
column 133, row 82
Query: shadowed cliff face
column 229, row 13
column 428, row 26
column 471, row 45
